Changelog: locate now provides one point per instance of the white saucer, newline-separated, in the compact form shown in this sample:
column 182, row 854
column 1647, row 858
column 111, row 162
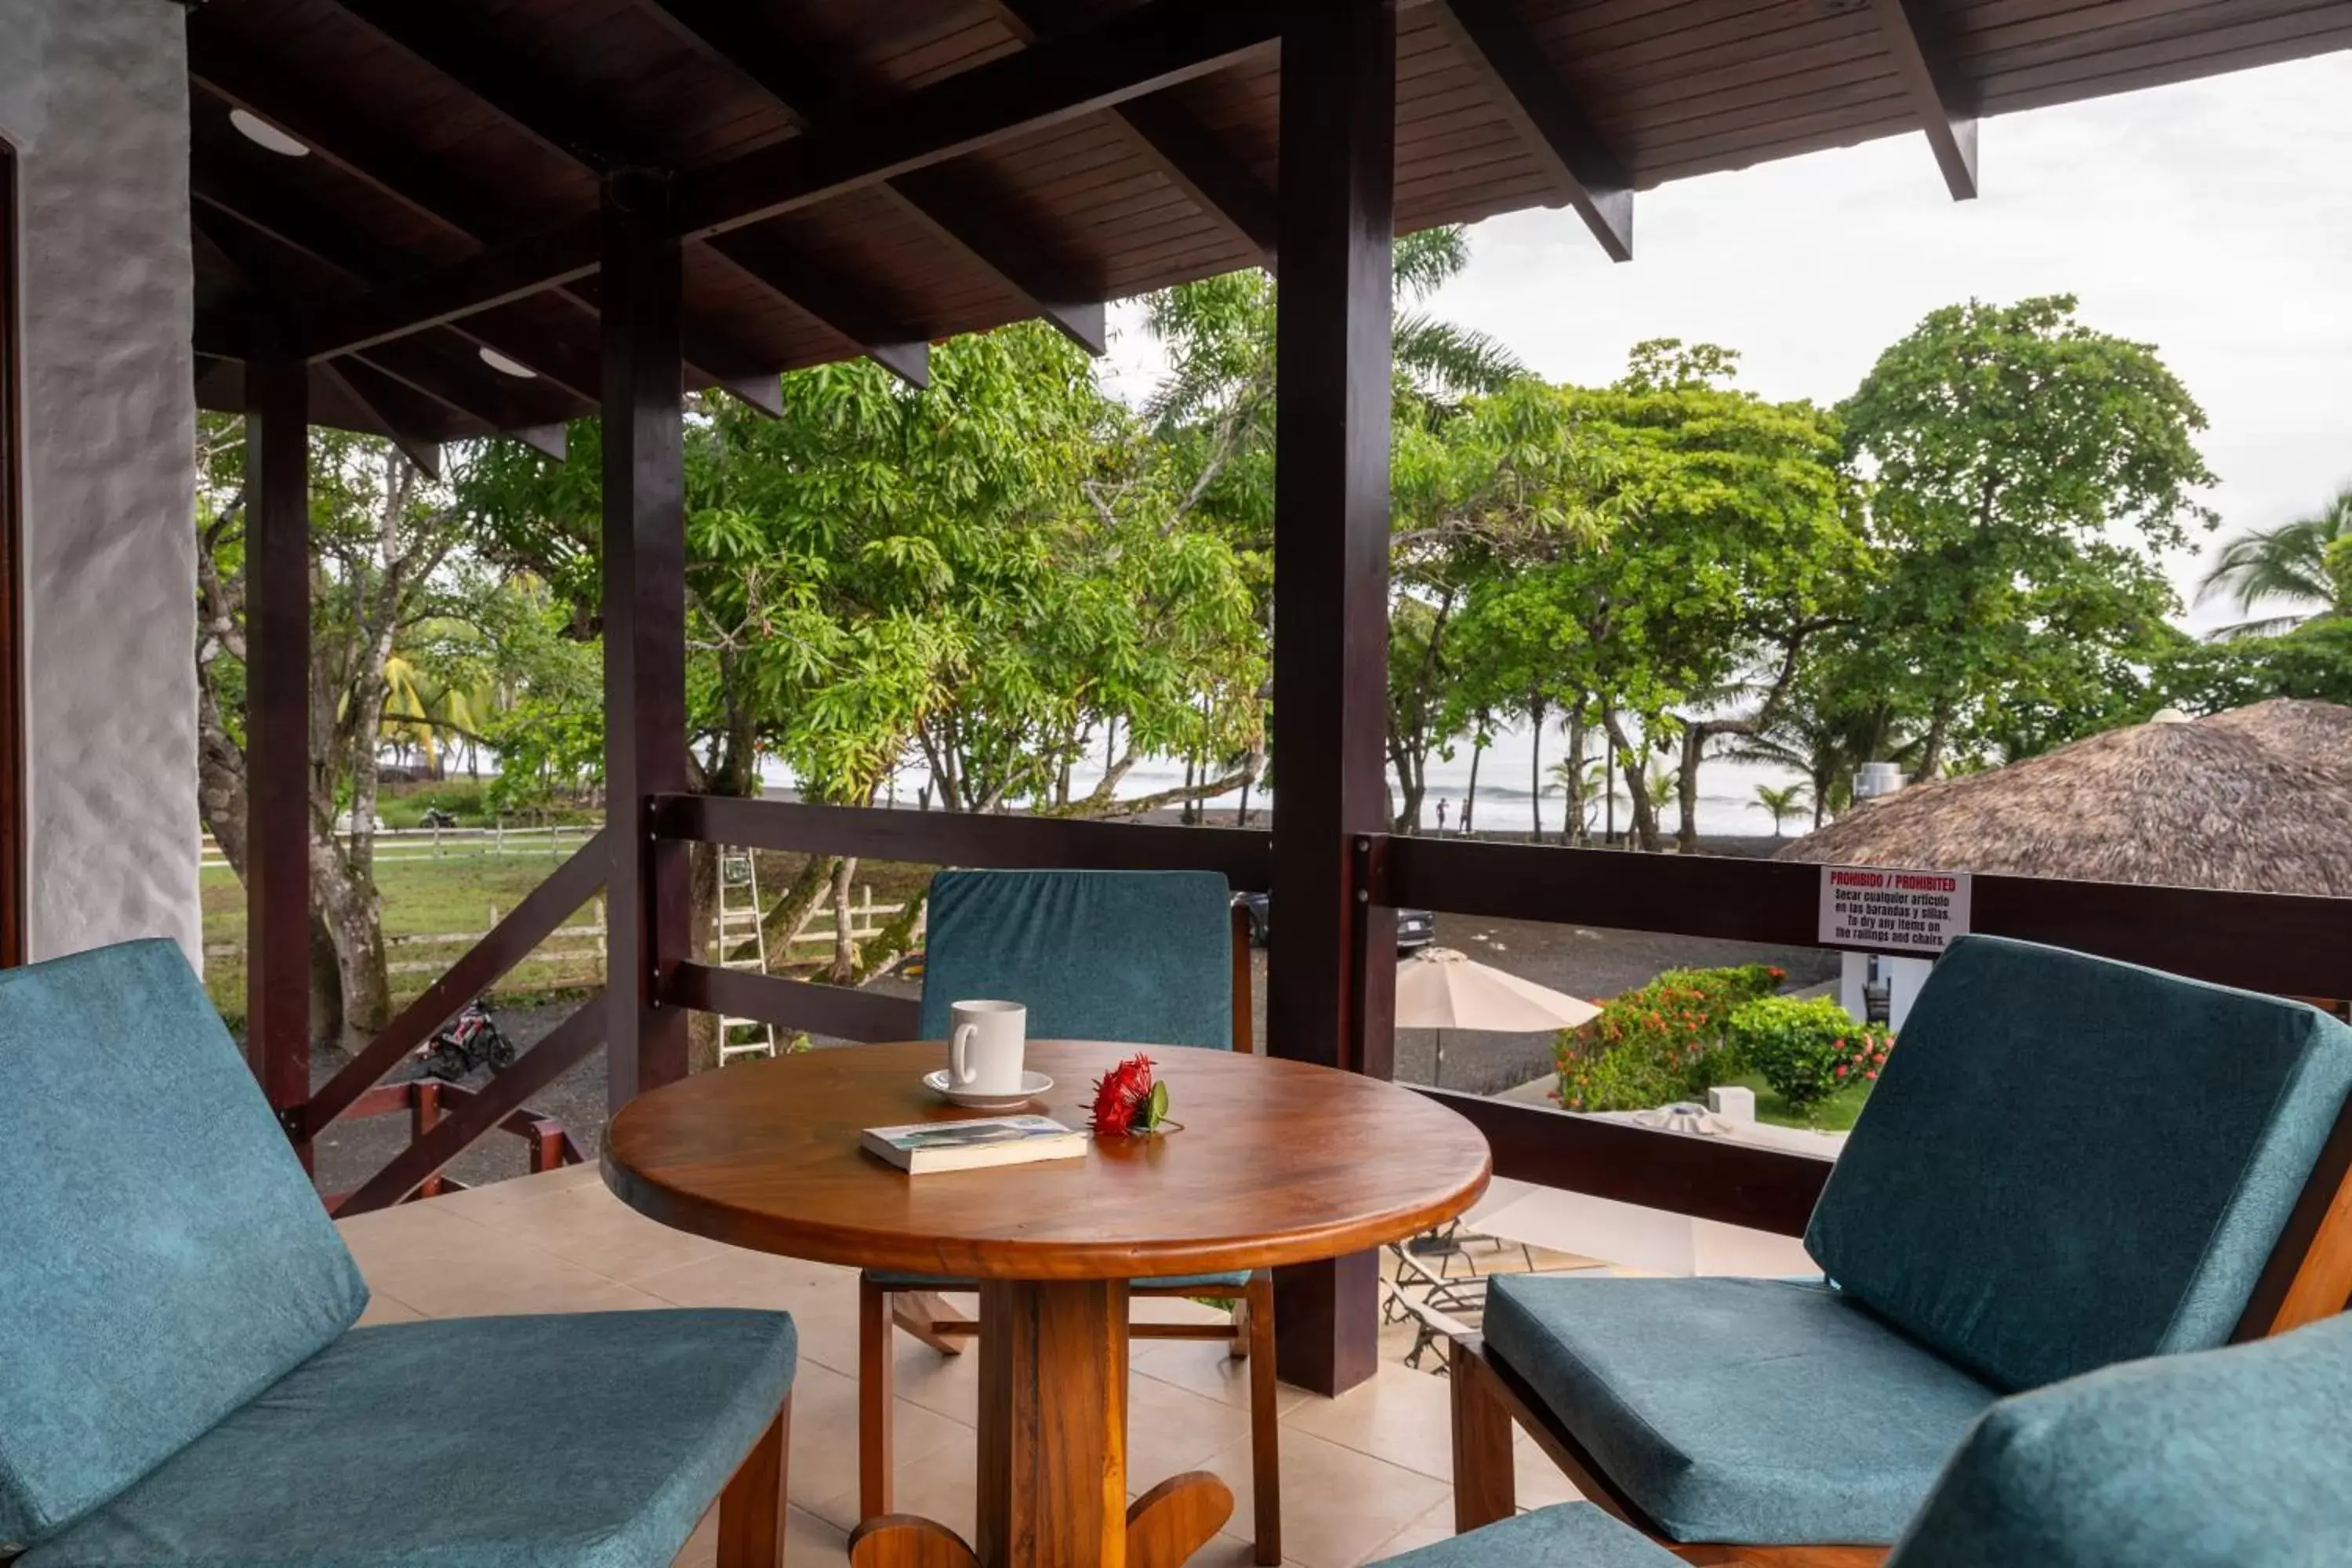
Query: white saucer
column 1033, row 1084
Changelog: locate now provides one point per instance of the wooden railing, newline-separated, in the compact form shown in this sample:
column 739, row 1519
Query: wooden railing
column 2290, row 945
column 548, row 1145
column 500, row 1103
column 1244, row 855
column 2286, row 944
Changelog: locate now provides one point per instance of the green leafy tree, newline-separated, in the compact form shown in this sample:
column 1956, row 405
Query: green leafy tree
column 2029, row 477
column 1665, row 550
column 2307, row 561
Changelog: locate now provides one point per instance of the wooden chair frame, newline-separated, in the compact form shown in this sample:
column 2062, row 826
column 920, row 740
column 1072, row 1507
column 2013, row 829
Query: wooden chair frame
column 752, row 1507
column 2308, row 1277
column 924, row 1315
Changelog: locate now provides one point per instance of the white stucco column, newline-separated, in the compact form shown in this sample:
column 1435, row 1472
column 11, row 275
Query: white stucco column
column 93, row 98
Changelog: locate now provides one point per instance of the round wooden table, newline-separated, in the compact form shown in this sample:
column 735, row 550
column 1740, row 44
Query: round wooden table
column 1279, row 1162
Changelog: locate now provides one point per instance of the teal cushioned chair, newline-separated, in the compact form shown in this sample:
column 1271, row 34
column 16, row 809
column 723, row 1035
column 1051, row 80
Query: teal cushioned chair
column 1149, row 958
column 2227, row 1459
column 180, row 1384
column 2067, row 1163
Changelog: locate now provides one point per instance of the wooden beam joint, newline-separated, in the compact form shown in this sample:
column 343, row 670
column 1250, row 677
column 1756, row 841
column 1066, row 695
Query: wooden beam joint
column 1920, row 46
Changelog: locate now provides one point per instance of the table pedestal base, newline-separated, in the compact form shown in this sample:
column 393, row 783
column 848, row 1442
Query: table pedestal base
column 1053, row 1449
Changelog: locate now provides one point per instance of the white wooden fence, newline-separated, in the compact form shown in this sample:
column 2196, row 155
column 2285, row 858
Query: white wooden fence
column 571, row 944
column 396, row 845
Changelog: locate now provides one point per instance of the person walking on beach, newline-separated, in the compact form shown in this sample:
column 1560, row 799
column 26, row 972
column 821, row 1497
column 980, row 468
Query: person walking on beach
column 1441, row 817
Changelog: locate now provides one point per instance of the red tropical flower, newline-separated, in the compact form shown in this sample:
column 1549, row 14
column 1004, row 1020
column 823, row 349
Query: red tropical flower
column 1127, row 1101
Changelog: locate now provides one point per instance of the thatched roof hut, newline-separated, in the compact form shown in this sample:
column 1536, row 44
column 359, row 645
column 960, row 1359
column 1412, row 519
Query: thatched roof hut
column 2256, row 800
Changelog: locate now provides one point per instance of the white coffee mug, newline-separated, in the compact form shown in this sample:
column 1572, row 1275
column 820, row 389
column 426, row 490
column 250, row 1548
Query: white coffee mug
column 984, row 1046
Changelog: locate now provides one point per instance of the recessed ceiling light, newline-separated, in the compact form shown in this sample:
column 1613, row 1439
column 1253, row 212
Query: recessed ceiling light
column 261, row 133
column 505, row 366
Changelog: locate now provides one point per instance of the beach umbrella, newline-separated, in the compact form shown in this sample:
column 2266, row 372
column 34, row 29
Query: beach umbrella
column 1441, row 989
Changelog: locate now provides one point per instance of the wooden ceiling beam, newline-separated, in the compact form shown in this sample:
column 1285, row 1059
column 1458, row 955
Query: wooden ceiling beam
column 797, row 83
column 378, row 395
column 1921, row 48
column 1489, row 36
column 521, row 95
column 969, row 219
column 547, row 111
column 1182, row 149
column 308, row 231
column 785, row 272
column 418, row 371
column 413, row 362
column 1154, row 45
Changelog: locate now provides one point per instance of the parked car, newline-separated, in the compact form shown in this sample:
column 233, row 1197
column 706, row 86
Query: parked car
column 1415, row 928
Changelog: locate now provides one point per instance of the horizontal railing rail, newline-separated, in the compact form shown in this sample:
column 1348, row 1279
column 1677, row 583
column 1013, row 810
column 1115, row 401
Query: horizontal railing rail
column 2288, row 945
column 1707, row 1178
column 839, row 1011
column 1244, row 855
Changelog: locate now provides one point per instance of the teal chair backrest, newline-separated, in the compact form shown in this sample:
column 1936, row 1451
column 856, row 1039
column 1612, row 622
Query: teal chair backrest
column 2231, row 1459
column 162, row 1255
column 1144, row 957
column 2070, row 1162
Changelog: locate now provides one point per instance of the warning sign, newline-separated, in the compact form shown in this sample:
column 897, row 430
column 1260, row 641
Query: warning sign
column 1887, row 910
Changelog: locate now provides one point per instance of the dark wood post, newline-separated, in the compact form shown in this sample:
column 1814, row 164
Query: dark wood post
column 645, row 626
column 1332, row 985
column 277, row 733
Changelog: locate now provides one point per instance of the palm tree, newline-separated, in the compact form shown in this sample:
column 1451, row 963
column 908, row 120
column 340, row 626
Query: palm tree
column 2306, row 560
column 1782, row 804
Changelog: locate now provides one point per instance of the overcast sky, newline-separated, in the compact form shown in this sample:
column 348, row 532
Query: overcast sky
column 2213, row 220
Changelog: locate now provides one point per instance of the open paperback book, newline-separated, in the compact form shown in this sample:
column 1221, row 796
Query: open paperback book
column 928, row 1146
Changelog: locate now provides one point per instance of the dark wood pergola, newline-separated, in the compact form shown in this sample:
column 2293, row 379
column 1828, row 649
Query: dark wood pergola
column 631, row 198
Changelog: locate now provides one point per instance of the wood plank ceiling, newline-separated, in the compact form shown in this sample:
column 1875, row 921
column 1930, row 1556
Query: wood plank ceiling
column 855, row 192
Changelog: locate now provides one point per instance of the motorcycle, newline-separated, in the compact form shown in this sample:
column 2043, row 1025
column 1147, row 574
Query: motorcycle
column 470, row 1040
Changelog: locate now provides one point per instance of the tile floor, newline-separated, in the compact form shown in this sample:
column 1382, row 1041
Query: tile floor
column 1364, row 1475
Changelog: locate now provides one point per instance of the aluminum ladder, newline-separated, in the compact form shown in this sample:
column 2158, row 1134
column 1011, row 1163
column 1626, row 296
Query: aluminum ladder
column 739, row 921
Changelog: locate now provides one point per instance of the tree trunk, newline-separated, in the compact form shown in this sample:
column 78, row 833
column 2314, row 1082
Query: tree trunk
column 351, row 911
column 1695, row 739
column 844, row 971
column 1241, row 819
column 1535, row 711
column 1470, row 796
column 1931, row 749
column 1637, row 784
column 1572, row 831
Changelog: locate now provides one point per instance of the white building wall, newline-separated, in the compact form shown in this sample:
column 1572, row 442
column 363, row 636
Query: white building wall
column 93, row 98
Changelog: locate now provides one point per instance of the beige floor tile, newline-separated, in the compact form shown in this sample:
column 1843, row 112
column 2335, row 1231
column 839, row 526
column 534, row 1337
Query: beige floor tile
column 941, row 1485
column 1430, row 1528
column 1170, row 1430
column 809, row 1542
column 825, row 1435
column 1337, row 1504
column 1204, row 1366
column 442, row 1265
column 1399, row 1415
column 590, row 1226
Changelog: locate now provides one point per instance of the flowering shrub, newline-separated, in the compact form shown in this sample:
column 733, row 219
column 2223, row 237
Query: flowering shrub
column 1658, row 1043
column 1808, row 1048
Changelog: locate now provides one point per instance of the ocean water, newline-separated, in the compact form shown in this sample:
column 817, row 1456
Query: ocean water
column 1726, row 807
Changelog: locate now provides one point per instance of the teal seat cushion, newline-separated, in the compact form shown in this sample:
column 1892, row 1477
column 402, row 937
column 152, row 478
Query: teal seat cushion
column 587, row 1441
column 1144, row 957
column 1746, row 1411
column 1567, row 1535
column 2231, row 1459
column 2070, row 1162
column 162, row 1255
column 1205, row 1283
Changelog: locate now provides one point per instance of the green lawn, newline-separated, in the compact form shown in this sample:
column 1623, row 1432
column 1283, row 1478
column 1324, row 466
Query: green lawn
column 456, row 893
column 1834, row 1114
